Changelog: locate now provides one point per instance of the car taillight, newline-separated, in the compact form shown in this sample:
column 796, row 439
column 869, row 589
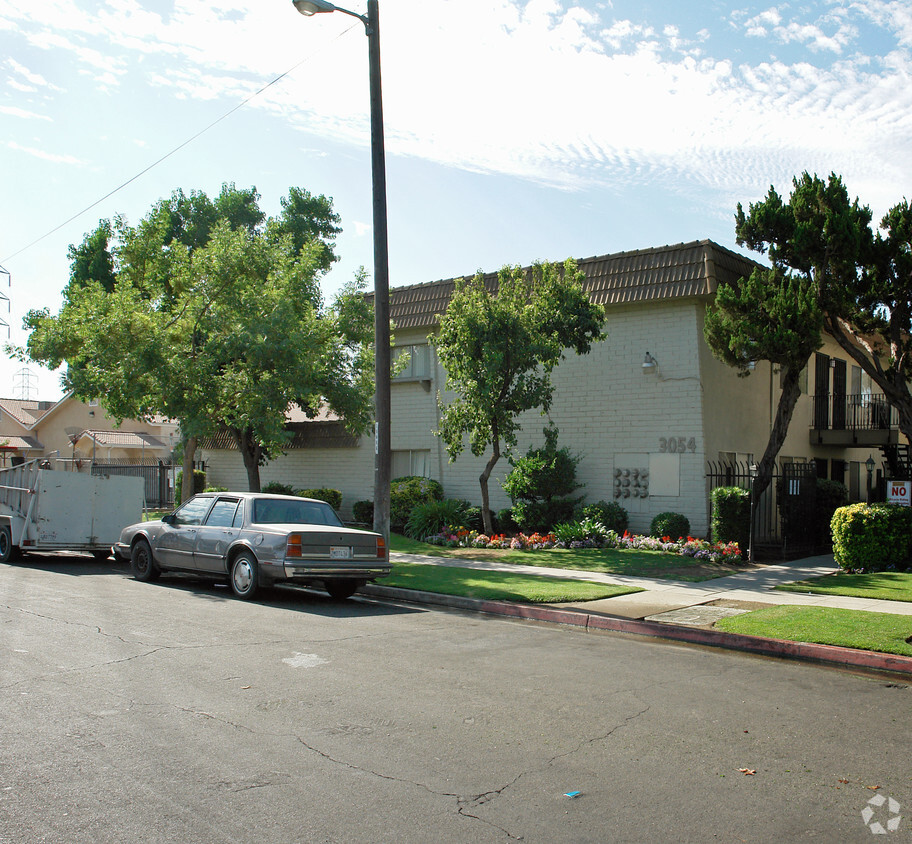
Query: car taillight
column 293, row 546
column 381, row 548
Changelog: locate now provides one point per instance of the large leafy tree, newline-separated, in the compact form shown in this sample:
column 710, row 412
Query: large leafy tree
column 499, row 350
column 817, row 243
column 216, row 319
column 873, row 323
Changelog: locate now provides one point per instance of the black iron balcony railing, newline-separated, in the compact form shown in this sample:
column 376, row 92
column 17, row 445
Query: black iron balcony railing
column 853, row 412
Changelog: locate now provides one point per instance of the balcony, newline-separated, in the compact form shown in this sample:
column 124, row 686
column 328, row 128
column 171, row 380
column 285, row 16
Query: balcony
column 863, row 420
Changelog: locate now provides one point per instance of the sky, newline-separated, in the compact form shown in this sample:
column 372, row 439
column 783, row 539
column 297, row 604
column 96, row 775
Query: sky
column 516, row 130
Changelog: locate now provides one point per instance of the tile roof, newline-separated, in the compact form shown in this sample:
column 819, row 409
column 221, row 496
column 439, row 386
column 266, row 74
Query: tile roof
column 20, row 443
column 309, row 434
column 25, row 412
column 642, row 275
column 123, row 439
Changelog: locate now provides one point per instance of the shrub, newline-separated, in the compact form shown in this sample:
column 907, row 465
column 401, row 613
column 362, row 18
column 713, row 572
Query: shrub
column 504, row 521
column 216, row 489
column 406, row 492
column 584, row 532
column 831, row 495
column 333, row 497
column 609, row 513
column 731, row 515
column 363, row 512
column 673, row 525
column 541, row 515
column 872, row 537
column 275, row 488
column 199, row 484
column 539, row 485
column 451, row 515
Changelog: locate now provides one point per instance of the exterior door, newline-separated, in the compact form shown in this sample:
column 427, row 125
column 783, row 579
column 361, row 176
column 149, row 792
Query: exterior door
column 839, row 395
column 174, row 546
column 216, row 534
column 821, row 392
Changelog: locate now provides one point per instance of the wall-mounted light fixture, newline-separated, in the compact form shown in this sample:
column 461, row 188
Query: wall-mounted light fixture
column 650, row 364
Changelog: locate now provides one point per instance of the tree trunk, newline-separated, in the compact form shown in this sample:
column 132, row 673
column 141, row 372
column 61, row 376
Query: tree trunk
column 250, row 452
column 187, row 482
column 791, row 390
column 487, row 519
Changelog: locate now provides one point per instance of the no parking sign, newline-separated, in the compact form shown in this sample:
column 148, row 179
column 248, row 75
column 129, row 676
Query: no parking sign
column 898, row 492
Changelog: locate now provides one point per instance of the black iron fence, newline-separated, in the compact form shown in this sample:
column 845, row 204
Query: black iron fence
column 785, row 523
column 853, row 412
column 158, row 477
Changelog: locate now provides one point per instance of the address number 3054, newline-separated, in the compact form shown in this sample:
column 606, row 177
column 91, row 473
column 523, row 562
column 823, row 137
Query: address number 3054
column 677, row 445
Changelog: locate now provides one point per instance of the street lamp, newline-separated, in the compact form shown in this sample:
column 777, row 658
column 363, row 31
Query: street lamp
column 869, row 465
column 371, row 23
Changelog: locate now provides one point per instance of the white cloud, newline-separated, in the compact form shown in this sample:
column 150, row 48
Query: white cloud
column 14, row 111
column 55, row 158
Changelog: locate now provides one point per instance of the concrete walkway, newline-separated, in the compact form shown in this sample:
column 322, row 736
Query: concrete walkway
column 659, row 596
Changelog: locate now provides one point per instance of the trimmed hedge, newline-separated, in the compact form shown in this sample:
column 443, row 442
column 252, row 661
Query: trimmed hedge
column 405, row 493
column 731, row 515
column 363, row 512
column 333, row 497
column 872, row 537
column 674, row 525
column 276, row 488
column 610, row 514
column 199, row 484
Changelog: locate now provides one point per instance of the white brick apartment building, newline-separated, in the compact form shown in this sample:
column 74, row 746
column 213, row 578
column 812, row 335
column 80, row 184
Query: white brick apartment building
column 644, row 432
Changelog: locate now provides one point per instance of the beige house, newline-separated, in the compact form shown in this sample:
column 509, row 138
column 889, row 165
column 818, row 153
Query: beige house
column 72, row 435
column 648, row 410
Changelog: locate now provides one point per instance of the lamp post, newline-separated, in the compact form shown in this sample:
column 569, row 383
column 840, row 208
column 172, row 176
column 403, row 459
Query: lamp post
column 371, row 23
column 869, row 465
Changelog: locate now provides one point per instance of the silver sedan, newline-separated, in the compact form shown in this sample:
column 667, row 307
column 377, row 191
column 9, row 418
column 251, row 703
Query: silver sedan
column 255, row 540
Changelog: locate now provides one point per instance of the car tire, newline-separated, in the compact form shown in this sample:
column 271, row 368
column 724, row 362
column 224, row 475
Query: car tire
column 6, row 545
column 243, row 576
column 142, row 563
column 341, row 589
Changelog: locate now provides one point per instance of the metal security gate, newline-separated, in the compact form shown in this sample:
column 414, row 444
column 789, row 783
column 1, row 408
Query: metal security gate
column 158, row 479
column 785, row 519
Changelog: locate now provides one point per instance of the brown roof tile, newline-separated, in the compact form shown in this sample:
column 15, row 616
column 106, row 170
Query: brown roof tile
column 664, row 272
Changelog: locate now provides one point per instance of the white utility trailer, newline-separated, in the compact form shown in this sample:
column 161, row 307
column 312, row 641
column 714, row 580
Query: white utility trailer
column 47, row 510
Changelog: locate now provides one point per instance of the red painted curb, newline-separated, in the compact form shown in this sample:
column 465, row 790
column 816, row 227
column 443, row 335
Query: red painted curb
column 781, row 648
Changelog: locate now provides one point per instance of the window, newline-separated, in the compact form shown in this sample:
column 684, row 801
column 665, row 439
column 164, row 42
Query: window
column 192, row 512
column 419, row 362
column 222, row 514
column 411, row 463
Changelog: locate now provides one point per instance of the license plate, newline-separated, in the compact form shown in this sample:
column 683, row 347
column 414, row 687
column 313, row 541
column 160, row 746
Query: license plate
column 340, row 552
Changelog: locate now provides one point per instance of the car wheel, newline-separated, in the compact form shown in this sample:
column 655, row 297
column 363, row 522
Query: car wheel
column 143, row 564
column 341, row 589
column 243, row 574
column 6, row 545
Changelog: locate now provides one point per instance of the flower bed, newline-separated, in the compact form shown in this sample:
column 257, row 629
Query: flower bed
column 699, row 549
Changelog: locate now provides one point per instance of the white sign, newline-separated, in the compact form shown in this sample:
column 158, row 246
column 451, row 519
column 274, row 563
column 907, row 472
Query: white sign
column 898, row 492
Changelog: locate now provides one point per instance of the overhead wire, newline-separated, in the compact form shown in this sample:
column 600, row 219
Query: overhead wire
column 167, row 155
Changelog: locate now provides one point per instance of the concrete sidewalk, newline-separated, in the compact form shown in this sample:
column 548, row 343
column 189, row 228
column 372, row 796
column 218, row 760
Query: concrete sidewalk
column 677, row 610
column 757, row 586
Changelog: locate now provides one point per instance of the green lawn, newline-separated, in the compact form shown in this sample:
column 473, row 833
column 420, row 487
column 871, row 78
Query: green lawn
column 498, row 585
column 632, row 563
column 870, row 631
column 882, row 585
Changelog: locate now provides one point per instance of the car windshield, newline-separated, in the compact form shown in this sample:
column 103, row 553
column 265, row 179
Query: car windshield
column 280, row 511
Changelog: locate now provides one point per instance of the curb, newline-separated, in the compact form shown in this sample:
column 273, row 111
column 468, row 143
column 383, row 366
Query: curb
column 783, row 649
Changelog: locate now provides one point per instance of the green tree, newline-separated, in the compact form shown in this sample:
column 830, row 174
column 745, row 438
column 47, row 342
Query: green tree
column 224, row 331
column 874, row 322
column 499, row 350
column 92, row 260
column 815, row 243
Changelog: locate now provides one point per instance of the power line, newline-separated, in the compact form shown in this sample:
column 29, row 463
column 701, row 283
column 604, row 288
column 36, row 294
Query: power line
column 167, row 155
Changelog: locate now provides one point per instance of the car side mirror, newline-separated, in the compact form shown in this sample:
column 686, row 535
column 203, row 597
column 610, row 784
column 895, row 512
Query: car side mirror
column 169, row 519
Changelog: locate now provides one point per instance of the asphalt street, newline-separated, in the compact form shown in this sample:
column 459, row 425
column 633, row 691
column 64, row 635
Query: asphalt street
column 172, row 712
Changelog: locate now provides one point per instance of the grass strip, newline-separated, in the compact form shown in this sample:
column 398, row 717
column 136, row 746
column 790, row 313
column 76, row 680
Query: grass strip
column 624, row 561
column 869, row 631
column 498, row 585
column 880, row 585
